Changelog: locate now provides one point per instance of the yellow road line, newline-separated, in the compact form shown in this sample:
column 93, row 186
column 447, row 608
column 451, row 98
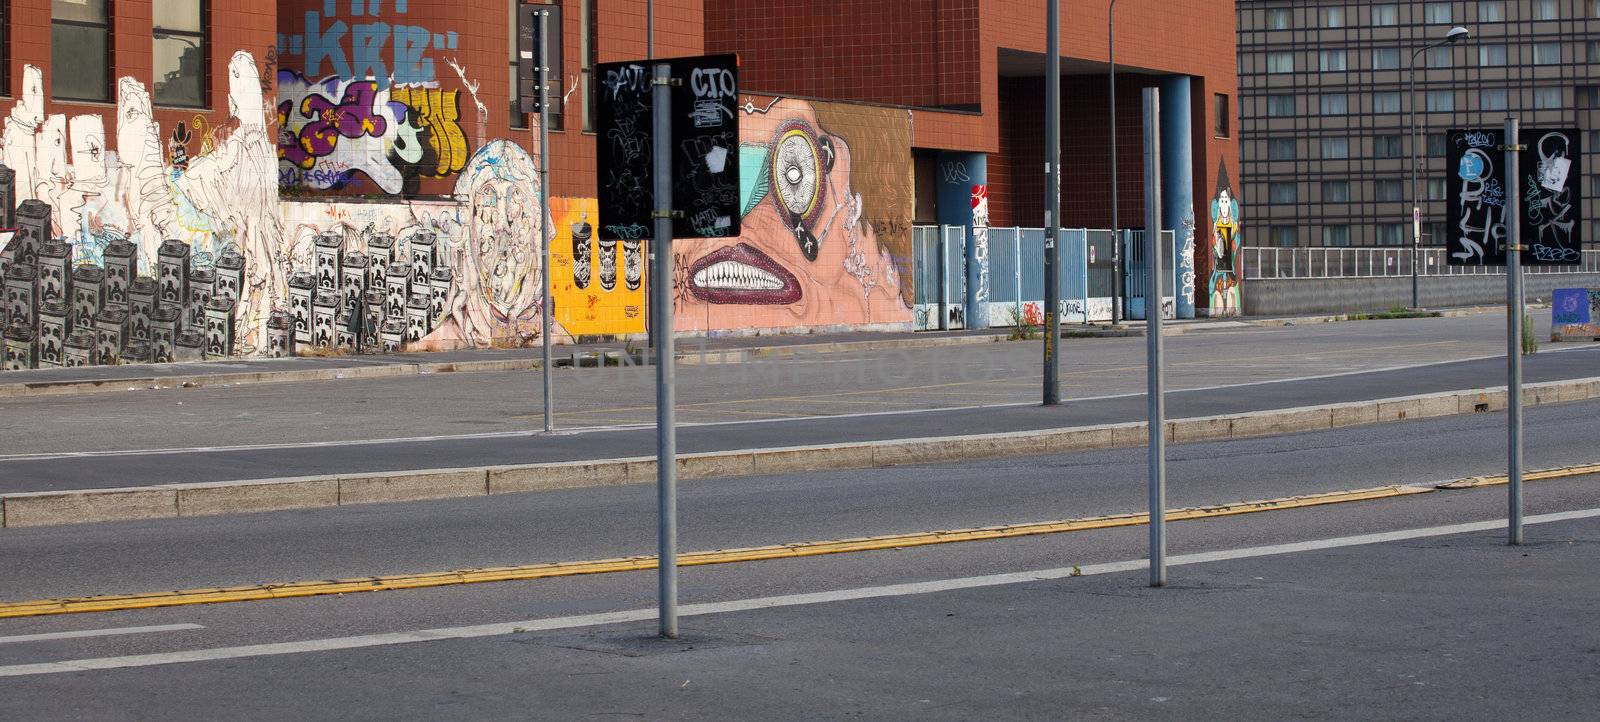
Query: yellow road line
column 258, row 592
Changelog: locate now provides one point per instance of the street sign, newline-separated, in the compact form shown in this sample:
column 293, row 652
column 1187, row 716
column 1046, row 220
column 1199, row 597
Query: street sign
column 704, row 142
column 529, row 92
column 1475, row 219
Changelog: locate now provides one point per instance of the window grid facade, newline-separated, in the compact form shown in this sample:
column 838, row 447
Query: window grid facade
column 1475, row 88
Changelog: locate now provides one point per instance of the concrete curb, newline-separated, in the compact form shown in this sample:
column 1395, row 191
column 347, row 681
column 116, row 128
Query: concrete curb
column 232, row 497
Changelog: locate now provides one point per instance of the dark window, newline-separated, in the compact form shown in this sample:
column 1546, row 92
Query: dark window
column 179, row 53
column 1281, row 149
column 1436, row 144
column 80, row 39
column 1336, row 235
column 1280, row 105
column 1283, row 235
column 1281, row 192
column 1222, row 115
column 1336, row 191
column 1278, row 19
column 1389, row 190
column 1386, row 146
column 588, row 53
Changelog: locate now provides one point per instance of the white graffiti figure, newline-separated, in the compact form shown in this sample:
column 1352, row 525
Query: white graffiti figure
column 980, row 241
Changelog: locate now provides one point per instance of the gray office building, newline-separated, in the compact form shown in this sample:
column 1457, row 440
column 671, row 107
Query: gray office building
column 1325, row 103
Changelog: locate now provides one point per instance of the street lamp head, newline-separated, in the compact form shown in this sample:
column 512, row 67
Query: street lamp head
column 1457, row 34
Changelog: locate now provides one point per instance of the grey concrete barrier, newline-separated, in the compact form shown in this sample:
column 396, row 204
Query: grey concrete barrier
column 257, row 495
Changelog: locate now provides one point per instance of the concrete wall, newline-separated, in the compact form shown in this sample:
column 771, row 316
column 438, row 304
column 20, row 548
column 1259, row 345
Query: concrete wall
column 1288, row 297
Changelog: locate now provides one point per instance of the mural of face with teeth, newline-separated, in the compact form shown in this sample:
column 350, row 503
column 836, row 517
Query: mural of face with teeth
column 792, row 264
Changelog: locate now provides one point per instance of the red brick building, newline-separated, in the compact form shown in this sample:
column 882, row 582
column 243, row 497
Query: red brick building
column 363, row 158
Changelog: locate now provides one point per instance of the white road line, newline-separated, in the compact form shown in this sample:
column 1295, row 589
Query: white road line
column 578, row 431
column 744, row 605
column 97, row 633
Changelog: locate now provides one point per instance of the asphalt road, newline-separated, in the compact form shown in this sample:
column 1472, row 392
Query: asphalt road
column 1423, row 627
column 808, row 386
column 81, row 469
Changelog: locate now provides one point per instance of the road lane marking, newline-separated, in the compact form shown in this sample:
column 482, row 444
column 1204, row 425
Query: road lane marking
column 758, row 603
column 312, row 588
column 112, row 631
column 631, row 426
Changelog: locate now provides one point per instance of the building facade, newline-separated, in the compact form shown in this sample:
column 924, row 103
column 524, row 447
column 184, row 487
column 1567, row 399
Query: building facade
column 1326, row 98
column 267, row 176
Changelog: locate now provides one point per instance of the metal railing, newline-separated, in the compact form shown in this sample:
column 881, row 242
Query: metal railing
column 1272, row 263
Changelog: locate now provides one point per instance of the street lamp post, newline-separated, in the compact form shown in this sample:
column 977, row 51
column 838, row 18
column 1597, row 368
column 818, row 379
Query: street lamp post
column 1455, row 35
column 1116, row 243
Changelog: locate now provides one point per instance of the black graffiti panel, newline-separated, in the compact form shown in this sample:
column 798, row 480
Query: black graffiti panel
column 704, row 144
column 1551, row 233
column 1547, row 185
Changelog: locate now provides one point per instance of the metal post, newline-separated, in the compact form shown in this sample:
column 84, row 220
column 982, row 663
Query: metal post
column 545, row 236
column 1416, row 202
column 1155, row 393
column 1116, row 243
column 650, row 248
column 1052, row 203
column 666, row 434
column 1513, row 340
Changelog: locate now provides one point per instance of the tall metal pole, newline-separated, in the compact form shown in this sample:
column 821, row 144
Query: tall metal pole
column 545, row 236
column 1052, row 203
column 1416, row 202
column 1155, row 395
column 1116, row 242
column 1513, row 217
column 650, row 248
column 666, row 433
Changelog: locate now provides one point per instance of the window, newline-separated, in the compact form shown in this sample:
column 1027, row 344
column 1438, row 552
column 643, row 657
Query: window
column 80, row 38
column 1545, row 10
column 1333, row 17
column 1491, row 12
column 1335, row 104
column 1331, row 60
column 1391, row 234
column 1594, row 8
column 1587, row 96
column 1280, row 62
column 586, row 50
column 1281, row 149
column 1491, row 55
column 1386, row 59
column 1279, row 106
column 1492, row 99
column 1440, row 57
column 1335, row 148
column 1547, row 98
column 1441, row 101
column 1592, row 52
column 1336, row 235
column 1437, row 12
column 1281, row 192
column 1383, row 15
column 1437, row 189
column 179, row 53
column 1386, row 102
column 1283, row 235
column 1221, row 112
column 518, row 118
column 1547, row 53
column 1436, row 145
column 1336, row 191
column 1278, row 19
column 5, row 48
column 1387, row 146
column 1389, row 189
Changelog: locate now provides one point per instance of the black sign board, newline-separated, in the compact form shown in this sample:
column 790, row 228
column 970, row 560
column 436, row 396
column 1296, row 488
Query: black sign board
column 1547, row 187
column 704, row 143
column 529, row 94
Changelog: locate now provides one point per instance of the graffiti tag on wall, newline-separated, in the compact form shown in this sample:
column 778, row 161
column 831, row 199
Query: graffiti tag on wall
column 333, row 133
column 346, row 39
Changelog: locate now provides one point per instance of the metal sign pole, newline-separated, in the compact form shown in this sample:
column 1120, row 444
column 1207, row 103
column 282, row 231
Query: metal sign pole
column 545, row 236
column 1513, row 218
column 666, row 434
column 1052, row 204
column 1155, row 393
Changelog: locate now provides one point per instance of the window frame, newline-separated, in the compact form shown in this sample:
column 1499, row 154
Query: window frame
column 1547, row 46
column 1388, row 146
column 1498, row 16
column 1333, row 17
column 1344, row 227
column 1275, row 67
column 1288, row 18
column 1271, row 97
column 1328, row 59
column 1395, row 194
column 1327, row 142
column 1323, row 101
column 1385, row 19
column 1336, row 191
column 1281, row 143
column 1444, row 93
column 1387, row 95
column 1293, row 234
column 1393, row 53
column 108, row 28
column 1539, row 7
column 1489, row 58
column 1274, row 186
column 204, row 36
column 1221, row 125
column 1544, row 92
column 1429, row 12
column 1501, row 93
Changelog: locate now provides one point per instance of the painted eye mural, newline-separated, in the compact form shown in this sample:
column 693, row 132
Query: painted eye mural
column 799, row 180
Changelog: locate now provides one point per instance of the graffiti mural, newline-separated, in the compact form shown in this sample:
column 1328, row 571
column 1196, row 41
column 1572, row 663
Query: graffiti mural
column 363, row 39
column 822, row 245
column 337, row 133
column 1575, row 314
column 1226, row 220
column 588, row 299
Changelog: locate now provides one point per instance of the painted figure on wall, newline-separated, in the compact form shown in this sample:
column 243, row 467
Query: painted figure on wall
column 1225, row 221
column 810, row 253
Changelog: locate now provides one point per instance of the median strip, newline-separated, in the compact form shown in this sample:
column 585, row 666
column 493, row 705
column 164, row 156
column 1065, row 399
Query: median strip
column 43, row 508
column 260, row 592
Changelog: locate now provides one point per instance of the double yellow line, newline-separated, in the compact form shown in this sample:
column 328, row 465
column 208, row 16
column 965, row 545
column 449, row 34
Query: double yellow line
column 257, row 592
